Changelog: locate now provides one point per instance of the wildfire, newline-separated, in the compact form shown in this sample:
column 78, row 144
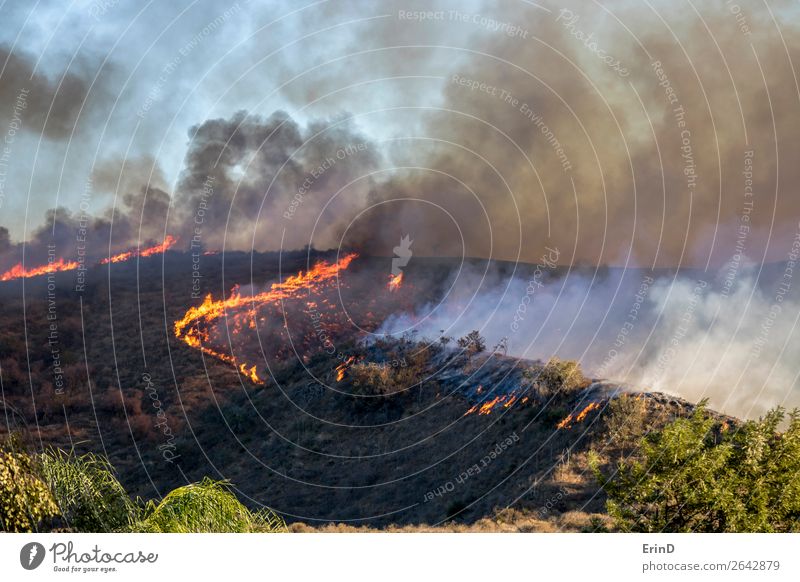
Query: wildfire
column 341, row 368
column 193, row 328
column 250, row 373
column 570, row 419
column 168, row 243
column 506, row 400
column 395, row 281
column 19, row 272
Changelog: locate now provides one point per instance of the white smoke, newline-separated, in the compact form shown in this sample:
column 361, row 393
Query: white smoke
column 698, row 335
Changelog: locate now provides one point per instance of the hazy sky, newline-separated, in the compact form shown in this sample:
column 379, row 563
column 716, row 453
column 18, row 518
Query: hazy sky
column 617, row 131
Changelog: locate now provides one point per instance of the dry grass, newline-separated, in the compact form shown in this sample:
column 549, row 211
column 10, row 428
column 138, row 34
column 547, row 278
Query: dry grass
column 505, row 521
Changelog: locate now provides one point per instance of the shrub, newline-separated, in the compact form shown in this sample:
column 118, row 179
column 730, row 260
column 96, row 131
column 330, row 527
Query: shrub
column 557, row 377
column 697, row 475
column 625, row 420
column 206, row 507
column 25, row 500
column 373, row 380
column 472, row 343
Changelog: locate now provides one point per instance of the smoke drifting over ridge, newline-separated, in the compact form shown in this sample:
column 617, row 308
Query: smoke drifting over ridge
column 656, row 157
column 683, row 333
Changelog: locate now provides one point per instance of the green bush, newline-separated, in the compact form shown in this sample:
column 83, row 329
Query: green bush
column 698, row 474
column 208, row 507
column 25, row 500
column 625, row 420
column 84, row 492
column 472, row 343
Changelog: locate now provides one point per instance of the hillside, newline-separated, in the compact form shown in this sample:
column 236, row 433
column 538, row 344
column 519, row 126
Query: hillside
column 399, row 432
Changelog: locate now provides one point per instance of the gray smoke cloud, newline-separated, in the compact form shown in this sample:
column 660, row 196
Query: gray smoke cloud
column 52, row 105
column 619, row 134
column 270, row 183
column 538, row 140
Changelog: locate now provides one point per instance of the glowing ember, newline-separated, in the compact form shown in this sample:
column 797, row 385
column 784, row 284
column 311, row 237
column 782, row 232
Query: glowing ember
column 19, row 272
column 169, row 242
column 193, row 328
column 570, row 419
column 395, row 281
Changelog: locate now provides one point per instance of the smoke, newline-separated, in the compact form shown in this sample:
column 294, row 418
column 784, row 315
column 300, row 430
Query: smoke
column 52, row 106
column 270, row 183
column 139, row 219
column 617, row 134
column 733, row 341
column 539, row 141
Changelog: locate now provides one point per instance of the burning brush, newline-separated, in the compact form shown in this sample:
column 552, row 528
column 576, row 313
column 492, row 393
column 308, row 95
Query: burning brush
column 19, row 272
column 395, row 282
column 570, row 419
column 60, row 265
column 168, row 243
column 194, row 328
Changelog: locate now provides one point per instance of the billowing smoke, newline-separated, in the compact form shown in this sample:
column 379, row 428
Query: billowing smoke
column 248, row 182
column 614, row 145
column 270, row 183
column 619, row 135
column 138, row 219
column 50, row 106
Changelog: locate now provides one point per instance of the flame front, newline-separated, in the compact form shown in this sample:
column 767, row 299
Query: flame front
column 20, row 272
column 506, row 400
column 193, row 327
column 581, row 416
column 169, row 242
column 395, row 281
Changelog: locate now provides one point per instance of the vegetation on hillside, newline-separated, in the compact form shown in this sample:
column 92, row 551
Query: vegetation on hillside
column 61, row 491
column 25, row 500
column 702, row 474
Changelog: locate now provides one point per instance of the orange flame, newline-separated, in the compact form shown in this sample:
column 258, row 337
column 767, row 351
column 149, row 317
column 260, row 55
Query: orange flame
column 193, row 327
column 250, row 373
column 506, row 400
column 19, row 272
column 168, row 243
column 341, row 368
column 569, row 419
column 395, row 281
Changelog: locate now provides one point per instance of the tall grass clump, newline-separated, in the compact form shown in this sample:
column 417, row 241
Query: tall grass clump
column 88, row 495
column 207, row 506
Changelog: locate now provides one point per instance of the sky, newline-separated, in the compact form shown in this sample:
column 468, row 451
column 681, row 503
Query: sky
column 620, row 132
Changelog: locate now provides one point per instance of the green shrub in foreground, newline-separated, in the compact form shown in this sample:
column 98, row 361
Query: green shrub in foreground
column 88, row 494
column 208, row 506
column 25, row 500
column 699, row 475
column 84, row 492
